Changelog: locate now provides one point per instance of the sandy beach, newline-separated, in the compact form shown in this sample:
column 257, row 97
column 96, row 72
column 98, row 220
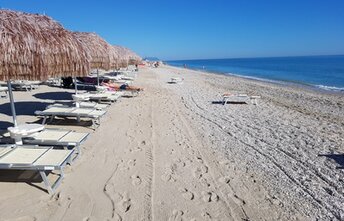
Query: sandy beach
column 176, row 153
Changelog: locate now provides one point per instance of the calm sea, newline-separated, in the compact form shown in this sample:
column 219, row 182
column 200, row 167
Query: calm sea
column 325, row 72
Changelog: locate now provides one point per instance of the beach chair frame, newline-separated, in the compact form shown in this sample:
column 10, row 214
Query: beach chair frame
column 31, row 140
column 41, row 169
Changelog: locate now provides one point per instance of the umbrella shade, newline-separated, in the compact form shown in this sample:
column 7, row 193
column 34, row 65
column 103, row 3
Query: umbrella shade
column 102, row 54
column 35, row 47
column 127, row 56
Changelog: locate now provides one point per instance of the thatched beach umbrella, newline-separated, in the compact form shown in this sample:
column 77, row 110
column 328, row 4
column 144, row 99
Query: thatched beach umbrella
column 103, row 55
column 127, row 56
column 35, row 47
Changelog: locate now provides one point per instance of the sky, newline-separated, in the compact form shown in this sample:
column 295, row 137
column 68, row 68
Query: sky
column 203, row 29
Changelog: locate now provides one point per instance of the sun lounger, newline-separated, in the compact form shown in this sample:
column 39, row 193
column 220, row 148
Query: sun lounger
column 41, row 159
column 83, row 104
column 98, row 97
column 4, row 91
column 79, row 113
column 176, row 80
column 58, row 137
column 240, row 98
column 25, row 85
column 234, row 97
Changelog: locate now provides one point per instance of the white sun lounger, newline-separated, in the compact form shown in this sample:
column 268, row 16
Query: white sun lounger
column 58, row 137
column 41, row 159
column 79, row 113
column 239, row 98
column 3, row 90
column 25, row 85
column 176, row 80
column 98, row 96
column 82, row 104
column 234, row 97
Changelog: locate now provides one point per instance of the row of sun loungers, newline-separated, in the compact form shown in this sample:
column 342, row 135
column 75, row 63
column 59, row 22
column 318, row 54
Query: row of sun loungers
column 44, row 150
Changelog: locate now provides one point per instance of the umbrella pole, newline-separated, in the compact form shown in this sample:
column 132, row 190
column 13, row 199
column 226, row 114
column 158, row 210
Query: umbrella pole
column 76, row 86
column 13, row 109
column 97, row 76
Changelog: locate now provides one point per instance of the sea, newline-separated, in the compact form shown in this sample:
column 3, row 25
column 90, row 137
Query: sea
column 321, row 72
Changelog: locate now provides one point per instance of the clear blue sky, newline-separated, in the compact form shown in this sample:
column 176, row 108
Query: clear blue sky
column 187, row 29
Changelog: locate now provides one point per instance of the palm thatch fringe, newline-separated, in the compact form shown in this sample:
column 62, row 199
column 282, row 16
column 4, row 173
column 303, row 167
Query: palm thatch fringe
column 35, row 47
column 103, row 55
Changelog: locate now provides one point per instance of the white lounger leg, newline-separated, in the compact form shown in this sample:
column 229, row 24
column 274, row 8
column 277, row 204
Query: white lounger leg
column 51, row 188
column 44, row 120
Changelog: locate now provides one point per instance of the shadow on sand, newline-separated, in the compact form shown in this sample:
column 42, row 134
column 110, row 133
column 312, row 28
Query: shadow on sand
column 228, row 102
column 57, row 96
column 23, row 107
column 31, row 178
column 338, row 158
column 5, row 124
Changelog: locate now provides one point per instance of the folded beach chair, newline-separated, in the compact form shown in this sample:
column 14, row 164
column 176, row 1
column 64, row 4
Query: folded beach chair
column 58, row 137
column 79, row 113
column 41, row 159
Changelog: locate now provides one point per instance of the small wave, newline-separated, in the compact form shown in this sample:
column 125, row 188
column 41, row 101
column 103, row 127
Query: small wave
column 255, row 78
column 330, row 88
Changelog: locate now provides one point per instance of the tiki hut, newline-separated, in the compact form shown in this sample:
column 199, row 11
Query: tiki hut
column 103, row 55
column 35, row 47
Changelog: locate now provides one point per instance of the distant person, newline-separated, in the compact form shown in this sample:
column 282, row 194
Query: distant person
column 184, row 65
column 118, row 87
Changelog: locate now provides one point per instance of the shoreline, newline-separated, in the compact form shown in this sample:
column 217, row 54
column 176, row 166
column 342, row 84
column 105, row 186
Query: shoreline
column 317, row 88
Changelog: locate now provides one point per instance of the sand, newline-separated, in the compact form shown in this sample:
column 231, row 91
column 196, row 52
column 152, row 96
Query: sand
column 176, row 153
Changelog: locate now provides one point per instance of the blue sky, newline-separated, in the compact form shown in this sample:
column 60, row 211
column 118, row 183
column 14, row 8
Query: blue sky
column 190, row 29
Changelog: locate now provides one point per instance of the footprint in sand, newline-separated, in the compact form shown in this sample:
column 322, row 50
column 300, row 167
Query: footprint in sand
column 186, row 194
column 125, row 204
column 168, row 177
column 224, row 179
column 135, row 180
column 199, row 159
column 204, row 182
column 131, row 163
column 179, row 163
column 209, row 197
column 116, row 217
column 177, row 215
column 199, row 171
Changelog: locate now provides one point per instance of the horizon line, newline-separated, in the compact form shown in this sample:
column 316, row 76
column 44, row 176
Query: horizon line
column 287, row 56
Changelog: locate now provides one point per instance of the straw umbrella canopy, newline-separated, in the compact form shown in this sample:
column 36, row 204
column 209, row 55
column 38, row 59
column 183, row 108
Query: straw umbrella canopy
column 35, row 47
column 126, row 56
column 102, row 54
